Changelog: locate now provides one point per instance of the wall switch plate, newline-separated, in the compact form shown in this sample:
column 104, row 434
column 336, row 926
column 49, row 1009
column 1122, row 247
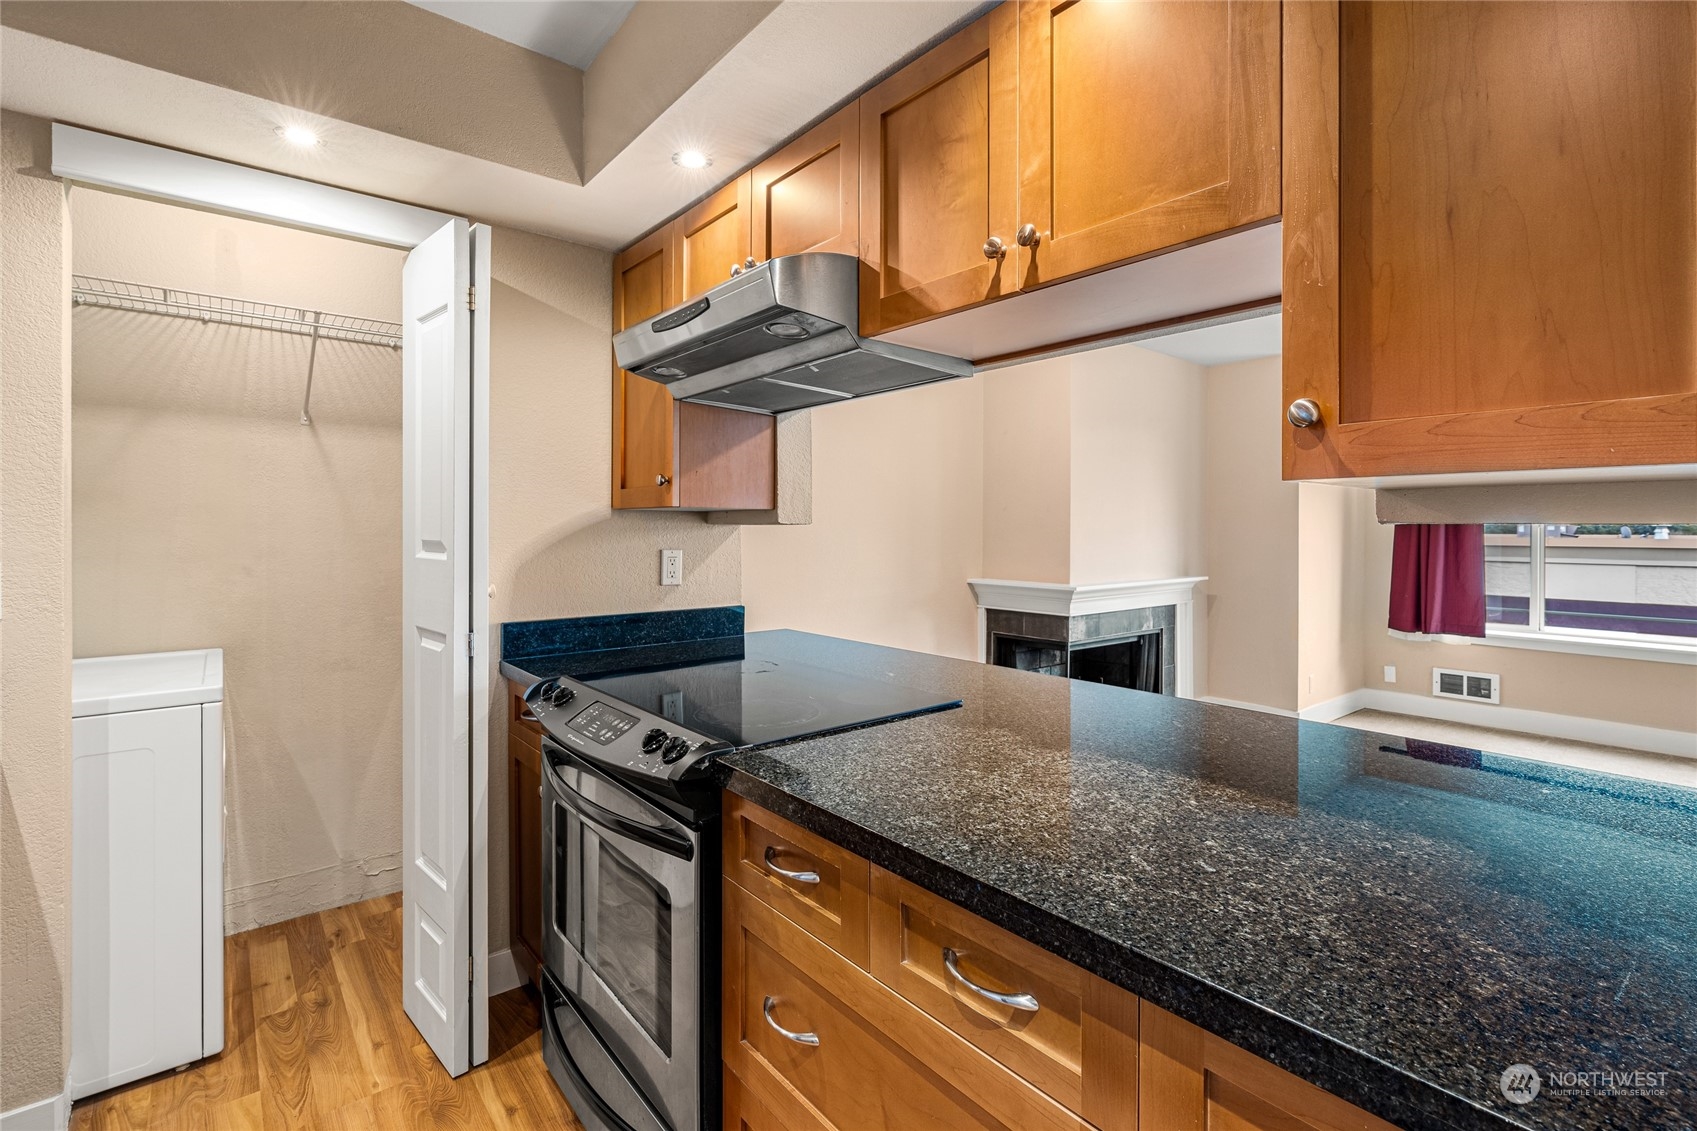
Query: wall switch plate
column 671, row 567
column 1390, row 673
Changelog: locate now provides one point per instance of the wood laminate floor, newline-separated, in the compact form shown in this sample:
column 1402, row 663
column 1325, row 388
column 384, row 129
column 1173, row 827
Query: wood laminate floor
column 316, row 1039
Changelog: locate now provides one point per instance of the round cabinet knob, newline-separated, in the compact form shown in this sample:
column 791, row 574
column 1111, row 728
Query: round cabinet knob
column 994, row 248
column 736, row 269
column 653, row 740
column 676, row 748
column 1303, row 413
column 1028, row 236
column 662, row 480
column 749, row 264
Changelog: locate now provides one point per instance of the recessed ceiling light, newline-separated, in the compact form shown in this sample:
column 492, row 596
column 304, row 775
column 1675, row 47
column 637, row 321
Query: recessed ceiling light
column 298, row 135
column 691, row 159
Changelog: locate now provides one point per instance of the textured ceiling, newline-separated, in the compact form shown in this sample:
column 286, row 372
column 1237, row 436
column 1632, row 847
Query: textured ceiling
column 572, row 31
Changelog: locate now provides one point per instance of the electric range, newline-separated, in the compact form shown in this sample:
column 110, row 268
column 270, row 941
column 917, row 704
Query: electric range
column 630, row 866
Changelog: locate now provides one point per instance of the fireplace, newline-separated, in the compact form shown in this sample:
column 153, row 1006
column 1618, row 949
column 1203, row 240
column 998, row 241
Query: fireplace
column 1134, row 634
column 1131, row 648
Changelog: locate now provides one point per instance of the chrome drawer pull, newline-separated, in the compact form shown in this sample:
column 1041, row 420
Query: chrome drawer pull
column 798, row 1038
column 1015, row 1001
column 798, row 877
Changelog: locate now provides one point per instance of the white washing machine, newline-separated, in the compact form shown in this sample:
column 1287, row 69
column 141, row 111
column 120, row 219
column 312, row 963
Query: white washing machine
column 147, row 865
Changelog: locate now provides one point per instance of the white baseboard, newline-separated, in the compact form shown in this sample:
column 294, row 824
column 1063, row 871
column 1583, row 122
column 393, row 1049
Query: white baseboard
column 1680, row 743
column 1240, row 704
column 50, row 1114
column 1329, row 709
column 504, row 974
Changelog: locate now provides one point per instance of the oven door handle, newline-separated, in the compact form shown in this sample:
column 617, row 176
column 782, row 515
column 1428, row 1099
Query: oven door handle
column 662, row 840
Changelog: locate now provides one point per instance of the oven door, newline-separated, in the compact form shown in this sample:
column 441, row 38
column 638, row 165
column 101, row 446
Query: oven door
column 622, row 931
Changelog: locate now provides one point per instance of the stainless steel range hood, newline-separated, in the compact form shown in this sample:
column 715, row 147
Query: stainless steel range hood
column 780, row 336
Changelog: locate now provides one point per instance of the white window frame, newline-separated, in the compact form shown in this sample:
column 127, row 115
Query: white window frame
column 1580, row 641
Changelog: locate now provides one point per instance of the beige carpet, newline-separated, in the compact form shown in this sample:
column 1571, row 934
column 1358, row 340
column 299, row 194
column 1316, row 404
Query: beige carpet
column 1585, row 755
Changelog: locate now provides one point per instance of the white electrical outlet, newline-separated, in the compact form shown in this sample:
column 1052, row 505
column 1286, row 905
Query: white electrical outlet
column 1390, row 673
column 671, row 567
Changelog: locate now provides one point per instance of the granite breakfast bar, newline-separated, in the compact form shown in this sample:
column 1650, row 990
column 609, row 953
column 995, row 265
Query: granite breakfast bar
column 1395, row 922
column 1395, row 925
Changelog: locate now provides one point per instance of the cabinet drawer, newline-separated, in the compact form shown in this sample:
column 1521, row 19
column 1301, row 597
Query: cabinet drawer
column 743, row 1109
column 869, row 1060
column 828, row 899
column 1065, row 1030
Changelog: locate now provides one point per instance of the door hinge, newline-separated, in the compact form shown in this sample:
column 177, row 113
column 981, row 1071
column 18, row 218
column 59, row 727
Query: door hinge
column 471, row 297
column 471, row 644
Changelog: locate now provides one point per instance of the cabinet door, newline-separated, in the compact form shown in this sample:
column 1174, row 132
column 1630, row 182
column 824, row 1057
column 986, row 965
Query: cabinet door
column 806, row 196
column 645, row 282
column 1490, row 244
column 712, row 238
column 1143, row 125
column 524, row 832
column 1192, row 1079
column 939, row 177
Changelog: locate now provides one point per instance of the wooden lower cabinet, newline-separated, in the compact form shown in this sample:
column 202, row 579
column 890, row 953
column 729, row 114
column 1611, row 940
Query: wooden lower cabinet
column 902, row 1042
column 855, row 1055
column 524, row 833
column 1192, row 1080
column 1075, row 1038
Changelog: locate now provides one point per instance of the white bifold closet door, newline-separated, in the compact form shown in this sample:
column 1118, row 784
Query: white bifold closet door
column 443, row 754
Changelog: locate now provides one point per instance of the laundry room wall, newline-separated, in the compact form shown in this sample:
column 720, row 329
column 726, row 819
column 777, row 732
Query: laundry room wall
column 206, row 515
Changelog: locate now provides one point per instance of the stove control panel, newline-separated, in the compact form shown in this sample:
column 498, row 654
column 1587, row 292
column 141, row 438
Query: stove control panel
column 618, row 735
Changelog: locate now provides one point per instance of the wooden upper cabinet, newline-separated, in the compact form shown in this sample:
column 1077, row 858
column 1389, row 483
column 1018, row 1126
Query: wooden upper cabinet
column 1143, row 126
column 667, row 454
column 645, row 282
column 712, row 238
column 806, row 196
column 1490, row 236
column 939, row 178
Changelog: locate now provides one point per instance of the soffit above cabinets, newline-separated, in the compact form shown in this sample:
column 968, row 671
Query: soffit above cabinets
column 416, row 107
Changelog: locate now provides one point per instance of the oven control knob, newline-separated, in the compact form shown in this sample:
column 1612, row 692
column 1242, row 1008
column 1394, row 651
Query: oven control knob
column 675, row 748
column 561, row 695
column 653, row 740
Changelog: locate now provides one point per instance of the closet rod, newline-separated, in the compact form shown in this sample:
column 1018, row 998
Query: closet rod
column 90, row 290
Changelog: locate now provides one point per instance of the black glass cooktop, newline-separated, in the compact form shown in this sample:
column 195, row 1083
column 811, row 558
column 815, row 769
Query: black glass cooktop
column 754, row 701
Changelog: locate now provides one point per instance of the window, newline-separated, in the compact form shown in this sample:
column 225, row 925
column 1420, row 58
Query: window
column 1608, row 586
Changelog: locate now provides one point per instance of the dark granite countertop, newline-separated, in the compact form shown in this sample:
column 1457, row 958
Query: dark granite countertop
column 1397, row 922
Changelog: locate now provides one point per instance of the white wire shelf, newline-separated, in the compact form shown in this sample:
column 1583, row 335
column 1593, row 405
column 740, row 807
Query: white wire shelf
column 89, row 290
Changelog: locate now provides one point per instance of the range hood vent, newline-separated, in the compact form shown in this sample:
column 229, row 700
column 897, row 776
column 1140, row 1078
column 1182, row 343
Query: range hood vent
column 775, row 338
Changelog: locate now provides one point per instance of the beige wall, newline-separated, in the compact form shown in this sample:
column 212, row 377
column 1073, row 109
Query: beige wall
column 896, row 526
column 1077, row 469
column 35, row 638
column 1027, row 457
column 1137, row 457
column 1596, row 687
column 556, row 546
column 1331, row 587
column 1250, row 540
column 206, row 515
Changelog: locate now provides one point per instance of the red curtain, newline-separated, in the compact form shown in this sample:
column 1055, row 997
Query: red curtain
column 1438, row 580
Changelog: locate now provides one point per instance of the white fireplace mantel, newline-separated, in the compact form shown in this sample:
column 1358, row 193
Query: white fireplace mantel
column 1115, row 596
